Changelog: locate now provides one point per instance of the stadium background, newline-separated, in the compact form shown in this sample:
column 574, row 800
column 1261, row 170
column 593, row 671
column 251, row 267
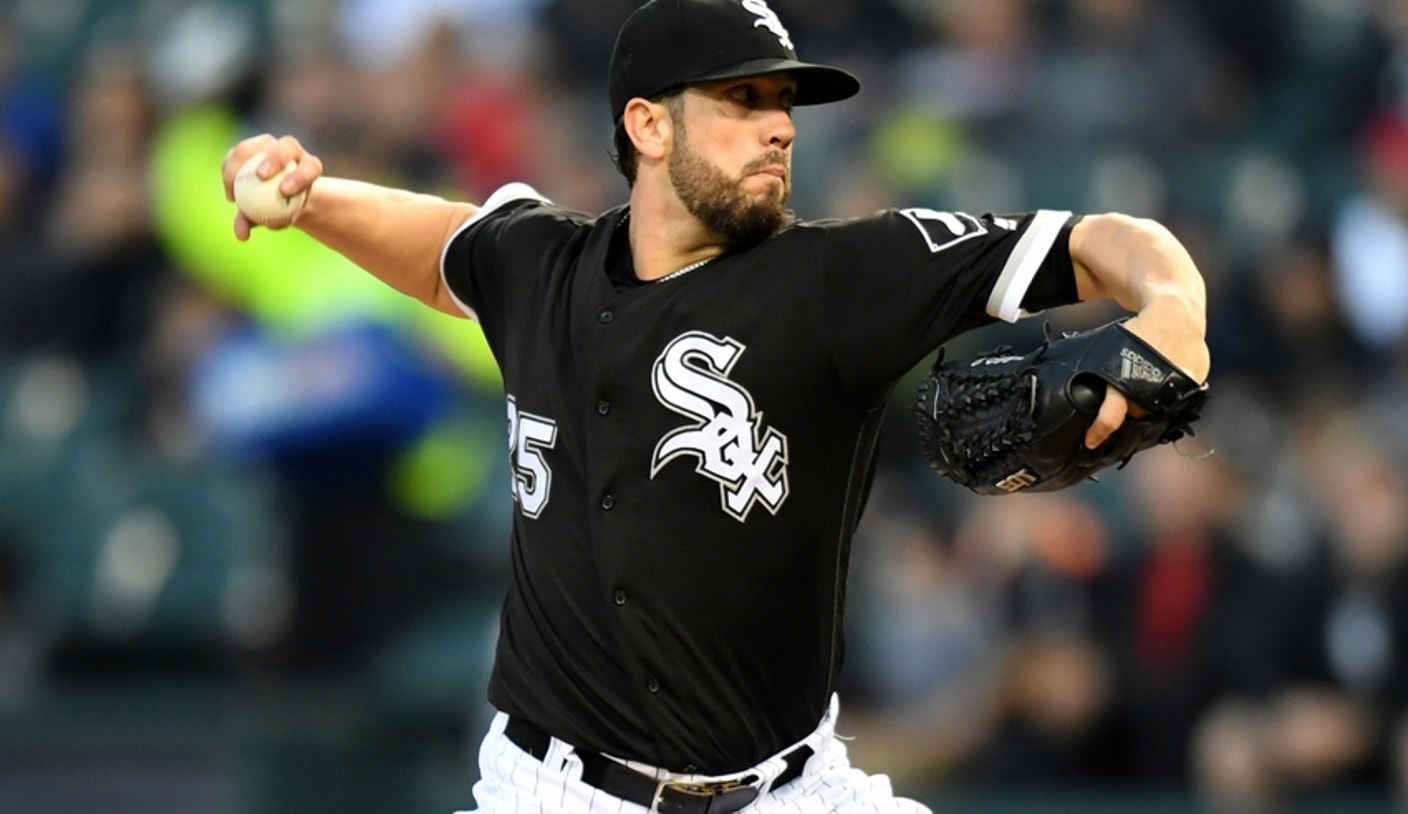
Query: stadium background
column 253, row 508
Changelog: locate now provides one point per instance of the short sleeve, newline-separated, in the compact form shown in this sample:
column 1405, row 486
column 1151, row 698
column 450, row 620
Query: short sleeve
column 896, row 285
column 475, row 257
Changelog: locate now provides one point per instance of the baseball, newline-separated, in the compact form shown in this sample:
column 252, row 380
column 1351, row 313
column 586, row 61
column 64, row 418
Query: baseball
column 260, row 199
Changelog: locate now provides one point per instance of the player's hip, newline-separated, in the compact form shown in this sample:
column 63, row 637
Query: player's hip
column 813, row 775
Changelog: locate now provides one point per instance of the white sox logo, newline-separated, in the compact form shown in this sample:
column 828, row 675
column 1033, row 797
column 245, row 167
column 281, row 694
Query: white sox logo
column 767, row 18
column 749, row 461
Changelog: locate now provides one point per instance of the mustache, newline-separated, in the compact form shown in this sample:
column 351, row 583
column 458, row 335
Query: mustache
column 772, row 158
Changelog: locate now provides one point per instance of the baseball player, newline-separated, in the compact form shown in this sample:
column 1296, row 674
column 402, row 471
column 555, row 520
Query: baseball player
column 695, row 381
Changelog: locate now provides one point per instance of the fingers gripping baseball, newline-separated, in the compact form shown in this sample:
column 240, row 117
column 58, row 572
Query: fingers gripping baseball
column 248, row 170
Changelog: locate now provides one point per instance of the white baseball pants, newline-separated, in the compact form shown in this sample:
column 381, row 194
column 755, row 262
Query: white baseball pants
column 514, row 782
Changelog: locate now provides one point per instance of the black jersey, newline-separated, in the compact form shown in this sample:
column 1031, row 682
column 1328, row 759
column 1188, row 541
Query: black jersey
column 692, row 455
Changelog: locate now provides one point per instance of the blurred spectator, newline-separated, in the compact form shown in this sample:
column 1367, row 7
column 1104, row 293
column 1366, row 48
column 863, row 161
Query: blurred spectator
column 209, row 49
column 1252, row 35
column 1058, row 694
column 1329, row 650
column 1119, row 72
column 978, row 66
column 382, row 34
column 86, row 276
column 930, row 645
column 31, row 113
column 1168, row 608
column 1281, row 326
column 581, row 34
column 1371, row 239
column 109, row 269
column 984, row 669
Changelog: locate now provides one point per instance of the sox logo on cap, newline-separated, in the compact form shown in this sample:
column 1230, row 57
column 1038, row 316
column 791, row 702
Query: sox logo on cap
column 767, row 18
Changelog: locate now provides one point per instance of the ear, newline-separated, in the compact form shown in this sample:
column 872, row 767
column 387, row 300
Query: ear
column 650, row 127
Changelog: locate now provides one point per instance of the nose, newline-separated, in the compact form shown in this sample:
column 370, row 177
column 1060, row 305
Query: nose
column 781, row 130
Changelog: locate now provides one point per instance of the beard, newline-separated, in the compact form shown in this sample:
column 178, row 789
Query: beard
column 720, row 202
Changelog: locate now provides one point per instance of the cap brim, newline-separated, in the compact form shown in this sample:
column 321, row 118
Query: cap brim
column 816, row 84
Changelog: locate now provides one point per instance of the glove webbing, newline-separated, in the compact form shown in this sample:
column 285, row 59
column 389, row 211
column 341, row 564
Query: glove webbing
column 1004, row 429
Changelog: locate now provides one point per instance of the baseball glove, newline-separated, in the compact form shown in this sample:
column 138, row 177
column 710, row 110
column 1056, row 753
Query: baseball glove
column 1005, row 422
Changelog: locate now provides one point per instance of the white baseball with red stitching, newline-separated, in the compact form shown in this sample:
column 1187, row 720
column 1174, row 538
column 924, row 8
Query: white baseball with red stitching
column 260, row 198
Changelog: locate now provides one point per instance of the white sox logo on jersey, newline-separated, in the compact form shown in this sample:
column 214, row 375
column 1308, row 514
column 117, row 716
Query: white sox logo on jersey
column 767, row 18
column 748, row 460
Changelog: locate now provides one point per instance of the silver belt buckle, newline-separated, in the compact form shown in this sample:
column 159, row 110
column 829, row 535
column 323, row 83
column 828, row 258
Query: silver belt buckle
column 701, row 791
column 689, row 789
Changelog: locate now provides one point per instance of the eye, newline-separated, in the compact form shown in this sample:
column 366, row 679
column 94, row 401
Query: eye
column 743, row 94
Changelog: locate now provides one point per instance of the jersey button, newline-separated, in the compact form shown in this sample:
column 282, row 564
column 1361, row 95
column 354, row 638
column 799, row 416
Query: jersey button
column 603, row 407
column 653, row 685
column 606, row 316
column 619, row 597
column 608, row 502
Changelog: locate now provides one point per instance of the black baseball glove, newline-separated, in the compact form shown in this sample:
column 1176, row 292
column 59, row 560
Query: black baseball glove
column 1006, row 422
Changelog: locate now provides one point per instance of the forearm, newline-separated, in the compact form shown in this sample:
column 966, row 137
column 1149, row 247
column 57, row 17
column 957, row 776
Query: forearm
column 1139, row 264
column 1142, row 266
column 395, row 235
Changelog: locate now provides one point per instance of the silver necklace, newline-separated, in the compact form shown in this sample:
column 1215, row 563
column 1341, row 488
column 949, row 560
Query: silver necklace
column 687, row 269
column 677, row 272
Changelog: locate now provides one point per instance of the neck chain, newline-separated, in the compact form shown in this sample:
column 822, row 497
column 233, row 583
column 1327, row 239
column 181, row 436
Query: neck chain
column 677, row 272
column 682, row 272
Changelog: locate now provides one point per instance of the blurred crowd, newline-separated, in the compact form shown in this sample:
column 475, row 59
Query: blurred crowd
column 238, row 462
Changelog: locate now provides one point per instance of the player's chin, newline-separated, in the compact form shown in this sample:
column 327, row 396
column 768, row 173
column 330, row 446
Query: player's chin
column 770, row 193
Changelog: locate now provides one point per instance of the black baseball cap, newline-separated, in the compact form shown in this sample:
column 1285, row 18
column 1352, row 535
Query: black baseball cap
column 666, row 44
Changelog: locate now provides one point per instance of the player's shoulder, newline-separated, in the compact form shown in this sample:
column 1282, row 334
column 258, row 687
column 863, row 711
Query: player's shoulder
column 821, row 229
column 520, row 214
column 879, row 222
column 812, row 237
column 923, row 230
column 519, row 199
column 879, row 231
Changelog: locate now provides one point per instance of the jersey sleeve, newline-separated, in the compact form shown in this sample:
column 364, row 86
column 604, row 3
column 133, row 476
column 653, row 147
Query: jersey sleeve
column 898, row 284
column 476, row 262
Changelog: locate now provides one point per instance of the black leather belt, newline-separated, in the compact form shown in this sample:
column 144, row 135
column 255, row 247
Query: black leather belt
column 666, row 797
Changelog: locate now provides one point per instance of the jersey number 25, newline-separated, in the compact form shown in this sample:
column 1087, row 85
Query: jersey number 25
column 528, row 436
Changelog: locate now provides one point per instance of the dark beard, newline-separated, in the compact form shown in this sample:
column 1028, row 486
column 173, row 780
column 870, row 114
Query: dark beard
column 719, row 201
